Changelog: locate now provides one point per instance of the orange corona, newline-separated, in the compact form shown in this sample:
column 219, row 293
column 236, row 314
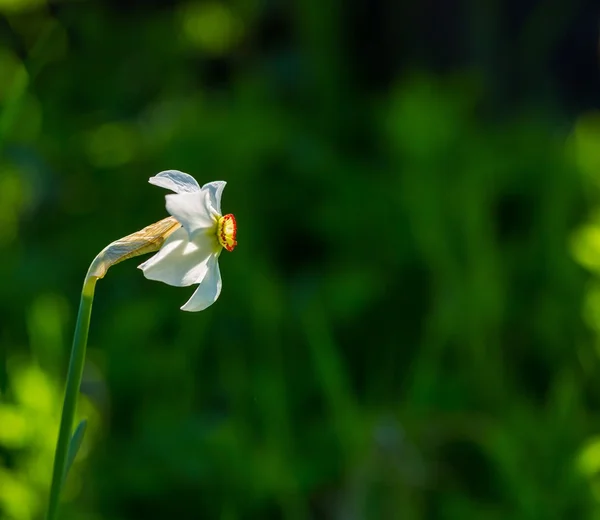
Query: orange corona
column 227, row 232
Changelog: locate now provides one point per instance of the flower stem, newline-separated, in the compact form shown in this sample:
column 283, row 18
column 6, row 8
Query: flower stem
column 74, row 376
column 147, row 240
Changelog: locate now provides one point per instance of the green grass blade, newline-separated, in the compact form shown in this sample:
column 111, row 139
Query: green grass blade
column 74, row 446
column 64, row 445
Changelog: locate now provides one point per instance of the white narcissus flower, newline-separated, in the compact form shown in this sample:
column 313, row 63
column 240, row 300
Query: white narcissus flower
column 190, row 254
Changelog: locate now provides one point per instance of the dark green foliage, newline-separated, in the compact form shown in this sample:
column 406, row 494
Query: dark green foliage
column 400, row 331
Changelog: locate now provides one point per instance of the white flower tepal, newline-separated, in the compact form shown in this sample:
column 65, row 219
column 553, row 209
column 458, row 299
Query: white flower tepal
column 190, row 255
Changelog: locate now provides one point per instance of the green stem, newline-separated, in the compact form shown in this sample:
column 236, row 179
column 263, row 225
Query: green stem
column 74, row 376
column 147, row 240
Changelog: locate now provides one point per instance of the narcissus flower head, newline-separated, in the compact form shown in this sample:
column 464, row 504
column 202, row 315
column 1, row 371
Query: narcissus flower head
column 190, row 254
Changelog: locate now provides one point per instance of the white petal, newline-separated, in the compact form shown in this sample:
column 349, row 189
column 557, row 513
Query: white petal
column 215, row 190
column 179, row 261
column 209, row 289
column 176, row 181
column 192, row 210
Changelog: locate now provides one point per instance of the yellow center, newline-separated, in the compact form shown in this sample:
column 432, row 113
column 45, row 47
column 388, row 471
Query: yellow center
column 226, row 232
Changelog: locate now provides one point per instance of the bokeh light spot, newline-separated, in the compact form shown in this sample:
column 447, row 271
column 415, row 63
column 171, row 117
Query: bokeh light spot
column 16, row 499
column 14, row 432
column 585, row 247
column 211, row 26
column 589, row 458
column 34, row 390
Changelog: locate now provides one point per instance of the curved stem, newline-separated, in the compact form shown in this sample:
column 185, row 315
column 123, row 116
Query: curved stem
column 74, row 376
column 147, row 240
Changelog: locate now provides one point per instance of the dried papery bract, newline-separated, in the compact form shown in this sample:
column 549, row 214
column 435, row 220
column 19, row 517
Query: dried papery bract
column 147, row 240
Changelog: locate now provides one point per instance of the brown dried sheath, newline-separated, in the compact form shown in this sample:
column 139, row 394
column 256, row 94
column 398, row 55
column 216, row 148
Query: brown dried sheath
column 147, row 240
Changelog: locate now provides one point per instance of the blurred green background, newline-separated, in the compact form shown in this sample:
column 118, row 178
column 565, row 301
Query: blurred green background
column 409, row 327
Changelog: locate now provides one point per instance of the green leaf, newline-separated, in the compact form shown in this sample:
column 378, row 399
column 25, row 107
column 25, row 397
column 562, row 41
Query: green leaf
column 74, row 446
